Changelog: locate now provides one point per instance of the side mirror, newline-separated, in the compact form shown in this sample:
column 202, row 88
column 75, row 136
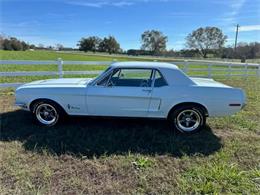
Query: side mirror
column 110, row 84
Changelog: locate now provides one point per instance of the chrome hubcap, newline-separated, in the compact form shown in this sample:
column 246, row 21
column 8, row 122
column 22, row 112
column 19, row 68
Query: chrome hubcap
column 46, row 114
column 188, row 120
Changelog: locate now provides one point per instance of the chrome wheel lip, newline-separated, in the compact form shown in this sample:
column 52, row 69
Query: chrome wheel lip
column 189, row 122
column 48, row 111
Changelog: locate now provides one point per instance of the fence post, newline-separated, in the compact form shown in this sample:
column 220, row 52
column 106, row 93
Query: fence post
column 246, row 70
column 60, row 63
column 258, row 70
column 209, row 70
column 186, row 66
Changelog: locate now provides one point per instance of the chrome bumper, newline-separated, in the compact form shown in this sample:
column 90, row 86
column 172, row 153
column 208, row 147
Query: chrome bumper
column 22, row 105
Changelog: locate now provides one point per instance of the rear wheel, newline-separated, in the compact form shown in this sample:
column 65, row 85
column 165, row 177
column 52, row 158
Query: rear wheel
column 188, row 119
column 47, row 113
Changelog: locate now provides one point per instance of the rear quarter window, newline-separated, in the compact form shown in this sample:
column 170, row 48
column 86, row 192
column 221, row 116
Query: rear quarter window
column 159, row 80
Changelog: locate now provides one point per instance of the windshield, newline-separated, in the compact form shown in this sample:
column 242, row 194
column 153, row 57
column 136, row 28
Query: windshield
column 101, row 74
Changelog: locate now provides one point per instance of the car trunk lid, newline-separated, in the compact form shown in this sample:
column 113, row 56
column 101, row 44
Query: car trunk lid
column 208, row 82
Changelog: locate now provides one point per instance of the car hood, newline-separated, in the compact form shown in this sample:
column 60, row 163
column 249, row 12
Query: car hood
column 205, row 82
column 59, row 82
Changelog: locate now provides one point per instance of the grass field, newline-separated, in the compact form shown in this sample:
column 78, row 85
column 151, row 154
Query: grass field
column 126, row 156
column 51, row 55
column 130, row 156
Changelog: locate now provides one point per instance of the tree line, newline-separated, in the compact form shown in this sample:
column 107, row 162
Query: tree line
column 202, row 42
column 12, row 43
column 93, row 43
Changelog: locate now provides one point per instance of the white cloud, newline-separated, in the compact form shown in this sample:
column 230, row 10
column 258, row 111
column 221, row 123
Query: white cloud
column 250, row 28
column 88, row 4
column 122, row 3
column 113, row 3
column 230, row 18
column 102, row 3
column 184, row 14
column 177, row 45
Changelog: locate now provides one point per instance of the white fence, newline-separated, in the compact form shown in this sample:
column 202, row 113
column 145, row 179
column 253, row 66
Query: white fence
column 204, row 69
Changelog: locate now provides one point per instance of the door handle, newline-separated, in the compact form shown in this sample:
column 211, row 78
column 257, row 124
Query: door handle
column 147, row 90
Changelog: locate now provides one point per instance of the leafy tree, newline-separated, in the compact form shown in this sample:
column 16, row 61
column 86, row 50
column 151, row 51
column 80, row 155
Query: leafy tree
column 248, row 50
column 244, row 51
column 154, row 41
column 205, row 39
column 109, row 45
column 7, row 44
column 227, row 52
column 2, row 42
column 16, row 44
column 12, row 43
column 136, row 52
column 50, row 47
column 59, row 46
column 32, row 46
column 40, row 46
column 25, row 46
column 89, row 44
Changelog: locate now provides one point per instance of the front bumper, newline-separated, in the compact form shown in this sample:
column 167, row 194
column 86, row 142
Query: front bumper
column 22, row 105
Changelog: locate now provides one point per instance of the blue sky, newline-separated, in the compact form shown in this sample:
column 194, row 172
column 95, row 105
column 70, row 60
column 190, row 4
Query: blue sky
column 65, row 21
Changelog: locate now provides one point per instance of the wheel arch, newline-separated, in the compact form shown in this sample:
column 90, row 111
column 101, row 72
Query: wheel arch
column 31, row 105
column 195, row 104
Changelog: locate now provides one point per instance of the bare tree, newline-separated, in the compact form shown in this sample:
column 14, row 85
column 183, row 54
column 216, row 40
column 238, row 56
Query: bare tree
column 205, row 39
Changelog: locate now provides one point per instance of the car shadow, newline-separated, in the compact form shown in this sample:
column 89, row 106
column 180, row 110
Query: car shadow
column 105, row 136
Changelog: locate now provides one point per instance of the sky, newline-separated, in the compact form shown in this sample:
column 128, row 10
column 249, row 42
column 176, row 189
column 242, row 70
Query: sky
column 50, row 22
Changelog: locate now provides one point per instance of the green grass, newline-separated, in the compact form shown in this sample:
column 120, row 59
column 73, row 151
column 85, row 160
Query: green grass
column 110, row 156
column 52, row 55
column 24, row 79
column 129, row 156
column 81, row 56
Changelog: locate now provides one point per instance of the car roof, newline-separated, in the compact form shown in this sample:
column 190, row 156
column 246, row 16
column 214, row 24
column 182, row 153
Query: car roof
column 139, row 64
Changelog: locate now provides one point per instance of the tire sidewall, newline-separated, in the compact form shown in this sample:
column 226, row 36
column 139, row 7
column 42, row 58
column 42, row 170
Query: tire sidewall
column 175, row 113
column 53, row 105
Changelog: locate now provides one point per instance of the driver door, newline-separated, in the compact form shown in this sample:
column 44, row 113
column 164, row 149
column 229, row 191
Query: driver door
column 125, row 92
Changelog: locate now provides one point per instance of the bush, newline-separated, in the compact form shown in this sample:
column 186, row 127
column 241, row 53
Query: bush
column 13, row 43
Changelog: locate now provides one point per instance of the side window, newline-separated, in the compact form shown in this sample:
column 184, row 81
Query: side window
column 129, row 77
column 159, row 80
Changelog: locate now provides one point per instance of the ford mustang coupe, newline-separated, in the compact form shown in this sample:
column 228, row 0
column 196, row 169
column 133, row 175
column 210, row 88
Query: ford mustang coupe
column 133, row 89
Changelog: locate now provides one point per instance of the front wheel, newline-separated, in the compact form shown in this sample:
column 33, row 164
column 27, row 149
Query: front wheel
column 47, row 113
column 188, row 119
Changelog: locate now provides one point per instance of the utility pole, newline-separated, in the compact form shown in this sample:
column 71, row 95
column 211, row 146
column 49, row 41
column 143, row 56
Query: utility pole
column 236, row 38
